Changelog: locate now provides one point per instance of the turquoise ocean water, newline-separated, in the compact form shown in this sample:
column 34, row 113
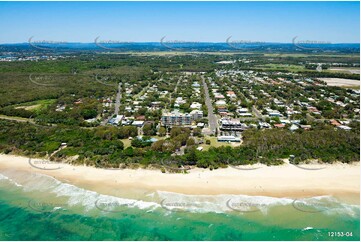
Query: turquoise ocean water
column 38, row 207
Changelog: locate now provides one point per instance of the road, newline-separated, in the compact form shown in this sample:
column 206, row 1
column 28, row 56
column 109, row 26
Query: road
column 212, row 119
column 117, row 100
column 175, row 91
column 25, row 120
column 256, row 112
column 136, row 96
column 18, row 119
column 116, row 106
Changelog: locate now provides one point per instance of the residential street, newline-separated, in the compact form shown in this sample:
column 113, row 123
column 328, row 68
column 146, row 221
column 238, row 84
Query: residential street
column 212, row 119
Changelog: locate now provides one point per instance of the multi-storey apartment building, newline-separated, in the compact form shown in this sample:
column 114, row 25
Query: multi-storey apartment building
column 177, row 118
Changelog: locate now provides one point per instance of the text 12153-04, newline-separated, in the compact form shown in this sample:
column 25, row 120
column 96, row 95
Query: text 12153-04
column 340, row 234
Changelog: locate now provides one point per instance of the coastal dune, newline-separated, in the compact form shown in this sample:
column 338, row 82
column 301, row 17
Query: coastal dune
column 338, row 180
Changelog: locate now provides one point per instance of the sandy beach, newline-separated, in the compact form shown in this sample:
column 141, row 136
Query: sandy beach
column 339, row 180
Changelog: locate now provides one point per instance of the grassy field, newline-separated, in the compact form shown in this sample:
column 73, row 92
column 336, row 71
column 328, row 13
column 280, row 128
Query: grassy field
column 35, row 105
column 126, row 142
column 19, row 119
column 308, row 55
column 215, row 143
column 282, row 67
column 179, row 53
column 344, row 70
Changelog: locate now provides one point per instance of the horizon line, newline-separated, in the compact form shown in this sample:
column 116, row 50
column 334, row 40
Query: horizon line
column 185, row 42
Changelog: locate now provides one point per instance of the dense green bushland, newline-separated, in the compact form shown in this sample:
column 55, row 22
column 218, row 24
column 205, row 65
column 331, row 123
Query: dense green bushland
column 102, row 146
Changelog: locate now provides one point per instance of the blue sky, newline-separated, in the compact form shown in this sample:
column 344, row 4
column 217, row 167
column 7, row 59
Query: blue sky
column 335, row 22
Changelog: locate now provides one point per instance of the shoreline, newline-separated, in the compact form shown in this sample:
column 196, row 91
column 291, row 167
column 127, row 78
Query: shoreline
column 339, row 180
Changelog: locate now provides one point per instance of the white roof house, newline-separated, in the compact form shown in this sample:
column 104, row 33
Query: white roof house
column 293, row 127
column 138, row 123
column 117, row 119
column 344, row 127
column 244, row 112
column 285, row 121
column 273, row 113
column 221, row 102
column 200, row 125
column 196, row 105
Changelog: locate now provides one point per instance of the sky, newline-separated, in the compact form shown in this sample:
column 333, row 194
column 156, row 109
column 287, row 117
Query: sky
column 335, row 22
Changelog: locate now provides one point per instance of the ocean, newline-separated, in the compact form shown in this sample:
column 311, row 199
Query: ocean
column 39, row 207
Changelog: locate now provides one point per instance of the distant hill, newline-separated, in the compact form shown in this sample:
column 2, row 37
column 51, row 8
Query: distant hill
column 179, row 47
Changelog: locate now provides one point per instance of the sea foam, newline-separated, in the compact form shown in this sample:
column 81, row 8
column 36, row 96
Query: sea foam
column 170, row 201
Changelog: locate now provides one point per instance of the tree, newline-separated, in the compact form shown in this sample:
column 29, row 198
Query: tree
column 109, row 133
column 232, row 108
column 128, row 152
column 197, row 132
column 162, row 131
column 175, row 131
column 303, row 122
column 148, row 129
column 191, row 156
column 190, row 142
column 158, row 145
column 127, row 131
column 89, row 113
column 140, row 142
column 181, row 139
